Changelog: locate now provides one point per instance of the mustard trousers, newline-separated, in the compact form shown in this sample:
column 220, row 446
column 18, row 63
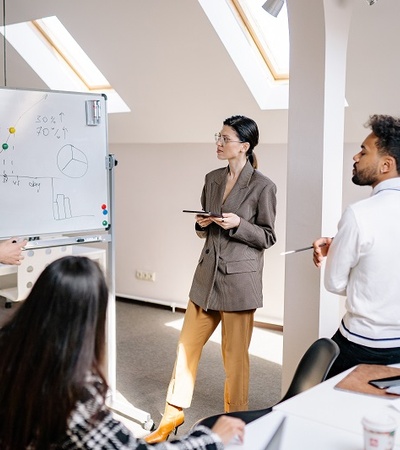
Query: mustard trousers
column 198, row 326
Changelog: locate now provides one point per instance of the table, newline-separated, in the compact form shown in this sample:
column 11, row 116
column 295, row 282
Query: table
column 299, row 434
column 342, row 409
column 322, row 418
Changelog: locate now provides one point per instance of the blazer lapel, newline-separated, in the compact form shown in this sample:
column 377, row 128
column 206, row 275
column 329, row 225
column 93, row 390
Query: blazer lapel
column 239, row 191
column 236, row 196
column 217, row 191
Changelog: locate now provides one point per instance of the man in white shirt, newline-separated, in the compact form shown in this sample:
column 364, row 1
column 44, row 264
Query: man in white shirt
column 363, row 260
column 11, row 251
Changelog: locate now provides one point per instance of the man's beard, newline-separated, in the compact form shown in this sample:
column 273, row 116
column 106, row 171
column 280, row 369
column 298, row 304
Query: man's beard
column 366, row 177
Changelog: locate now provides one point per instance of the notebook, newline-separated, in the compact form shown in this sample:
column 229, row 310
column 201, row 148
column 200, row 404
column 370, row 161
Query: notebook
column 357, row 380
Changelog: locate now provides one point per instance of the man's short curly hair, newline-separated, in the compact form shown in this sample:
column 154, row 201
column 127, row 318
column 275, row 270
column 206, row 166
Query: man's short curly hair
column 387, row 130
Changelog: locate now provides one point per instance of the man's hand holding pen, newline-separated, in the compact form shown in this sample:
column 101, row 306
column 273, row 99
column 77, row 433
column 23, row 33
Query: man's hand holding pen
column 321, row 248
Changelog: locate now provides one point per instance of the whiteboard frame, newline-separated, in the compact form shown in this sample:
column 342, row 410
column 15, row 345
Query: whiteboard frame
column 96, row 137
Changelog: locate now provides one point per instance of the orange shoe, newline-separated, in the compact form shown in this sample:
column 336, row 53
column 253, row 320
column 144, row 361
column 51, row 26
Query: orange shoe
column 172, row 419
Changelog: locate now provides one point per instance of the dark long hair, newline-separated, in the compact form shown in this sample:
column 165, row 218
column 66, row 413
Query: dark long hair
column 53, row 341
column 247, row 131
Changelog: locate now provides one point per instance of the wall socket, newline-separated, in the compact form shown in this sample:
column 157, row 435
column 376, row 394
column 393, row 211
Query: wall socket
column 147, row 276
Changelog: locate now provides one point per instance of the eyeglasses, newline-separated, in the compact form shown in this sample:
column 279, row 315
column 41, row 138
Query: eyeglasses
column 223, row 139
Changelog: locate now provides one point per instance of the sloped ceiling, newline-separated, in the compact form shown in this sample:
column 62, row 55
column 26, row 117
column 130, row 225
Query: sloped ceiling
column 166, row 61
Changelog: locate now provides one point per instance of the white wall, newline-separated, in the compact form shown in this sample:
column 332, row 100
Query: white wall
column 154, row 183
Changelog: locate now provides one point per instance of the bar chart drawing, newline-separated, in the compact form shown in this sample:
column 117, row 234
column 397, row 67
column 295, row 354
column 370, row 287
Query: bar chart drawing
column 62, row 207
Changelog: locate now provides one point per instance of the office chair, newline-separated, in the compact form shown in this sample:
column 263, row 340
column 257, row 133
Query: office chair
column 311, row 370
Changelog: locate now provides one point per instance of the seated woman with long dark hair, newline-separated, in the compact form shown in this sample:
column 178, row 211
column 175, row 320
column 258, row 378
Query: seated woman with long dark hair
column 52, row 387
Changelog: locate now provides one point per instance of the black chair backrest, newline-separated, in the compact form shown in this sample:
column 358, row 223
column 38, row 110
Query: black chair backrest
column 313, row 366
column 311, row 370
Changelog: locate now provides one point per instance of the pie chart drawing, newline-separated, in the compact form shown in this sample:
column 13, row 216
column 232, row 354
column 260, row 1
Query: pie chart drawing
column 72, row 162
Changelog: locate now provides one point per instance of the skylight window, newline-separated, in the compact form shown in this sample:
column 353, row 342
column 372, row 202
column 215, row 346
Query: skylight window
column 258, row 44
column 270, row 35
column 58, row 60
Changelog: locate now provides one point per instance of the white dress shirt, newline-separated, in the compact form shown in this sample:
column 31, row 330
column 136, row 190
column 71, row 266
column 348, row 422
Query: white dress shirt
column 364, row 264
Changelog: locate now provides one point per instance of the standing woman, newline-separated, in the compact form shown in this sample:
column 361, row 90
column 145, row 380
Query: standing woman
column 52, row 387
column 227, row 284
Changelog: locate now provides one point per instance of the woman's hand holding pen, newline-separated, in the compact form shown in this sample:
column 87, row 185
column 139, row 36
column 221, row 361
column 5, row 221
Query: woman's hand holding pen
column 321, row 248
column 228, row 221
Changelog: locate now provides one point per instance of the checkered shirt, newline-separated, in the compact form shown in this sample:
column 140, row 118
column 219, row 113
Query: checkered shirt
column 93, row 426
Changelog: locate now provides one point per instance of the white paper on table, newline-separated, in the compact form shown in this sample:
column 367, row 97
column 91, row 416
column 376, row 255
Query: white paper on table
column 258, row 433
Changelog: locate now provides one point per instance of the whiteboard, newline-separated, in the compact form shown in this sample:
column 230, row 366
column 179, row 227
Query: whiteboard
column 53, row 154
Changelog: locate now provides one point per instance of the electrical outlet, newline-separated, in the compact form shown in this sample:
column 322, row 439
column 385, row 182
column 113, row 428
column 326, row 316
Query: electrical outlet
column 139, row 275
column 147, row 276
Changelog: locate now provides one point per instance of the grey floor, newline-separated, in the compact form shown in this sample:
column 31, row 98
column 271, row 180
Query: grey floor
column 146, row 347
column 145, row 357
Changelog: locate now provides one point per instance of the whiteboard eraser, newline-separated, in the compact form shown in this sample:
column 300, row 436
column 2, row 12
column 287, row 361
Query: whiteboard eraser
column 93, row 112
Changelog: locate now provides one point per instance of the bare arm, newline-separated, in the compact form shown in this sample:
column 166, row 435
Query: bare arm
column 11, row 251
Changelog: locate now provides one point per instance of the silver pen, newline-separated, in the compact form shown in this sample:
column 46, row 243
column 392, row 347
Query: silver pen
column 301, row 249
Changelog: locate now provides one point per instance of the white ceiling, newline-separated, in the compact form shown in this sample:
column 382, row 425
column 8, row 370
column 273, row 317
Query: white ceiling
column 168, row 64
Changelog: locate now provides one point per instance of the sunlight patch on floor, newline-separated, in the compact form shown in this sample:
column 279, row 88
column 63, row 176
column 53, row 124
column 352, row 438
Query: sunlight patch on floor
column 129, row 420
column 265, row 344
